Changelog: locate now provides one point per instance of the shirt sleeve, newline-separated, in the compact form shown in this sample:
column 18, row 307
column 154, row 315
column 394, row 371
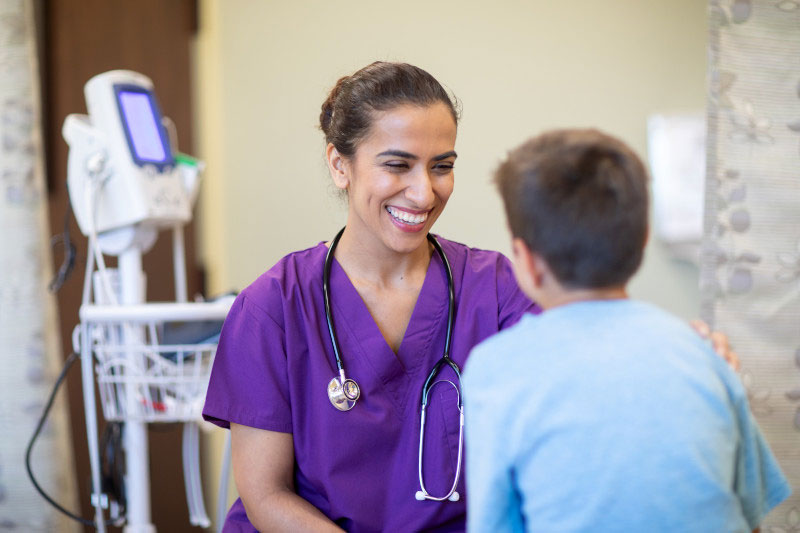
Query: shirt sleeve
column 759, row 482
column 513, row 303
column 493, row 503
column 249, row 383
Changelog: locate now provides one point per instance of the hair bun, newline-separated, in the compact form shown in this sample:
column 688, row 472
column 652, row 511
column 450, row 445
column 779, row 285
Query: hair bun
column 328, row 106
column 348, row 112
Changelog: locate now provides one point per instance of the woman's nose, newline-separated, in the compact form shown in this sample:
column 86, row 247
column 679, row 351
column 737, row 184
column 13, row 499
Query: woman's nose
column 420, row 190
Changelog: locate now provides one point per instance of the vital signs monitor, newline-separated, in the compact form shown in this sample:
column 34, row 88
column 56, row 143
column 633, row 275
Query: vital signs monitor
column 121, row 168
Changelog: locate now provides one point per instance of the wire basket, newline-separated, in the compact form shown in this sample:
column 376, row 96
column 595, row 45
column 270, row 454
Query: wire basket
column 145, row 370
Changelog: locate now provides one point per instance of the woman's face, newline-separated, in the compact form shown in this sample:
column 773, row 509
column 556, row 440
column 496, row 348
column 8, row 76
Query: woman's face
column 401, row 176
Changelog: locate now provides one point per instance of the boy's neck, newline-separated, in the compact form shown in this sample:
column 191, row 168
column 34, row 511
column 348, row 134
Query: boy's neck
column 562, row 296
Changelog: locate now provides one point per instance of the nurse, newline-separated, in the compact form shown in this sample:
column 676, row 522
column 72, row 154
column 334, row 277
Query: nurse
column 300, row 463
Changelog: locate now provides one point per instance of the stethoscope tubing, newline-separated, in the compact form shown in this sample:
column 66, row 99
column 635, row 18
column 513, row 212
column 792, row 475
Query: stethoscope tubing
column 326, row 291
column 451, row 294
column 451, row 495
column 450, row 310
column 423, row 494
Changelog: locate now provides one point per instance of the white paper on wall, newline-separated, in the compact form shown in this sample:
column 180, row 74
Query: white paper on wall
column 677, row 157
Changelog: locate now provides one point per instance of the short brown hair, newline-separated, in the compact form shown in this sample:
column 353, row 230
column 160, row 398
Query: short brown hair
column 578, row 198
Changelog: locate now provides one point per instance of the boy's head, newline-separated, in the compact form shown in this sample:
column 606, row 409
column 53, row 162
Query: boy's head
column 577, row 199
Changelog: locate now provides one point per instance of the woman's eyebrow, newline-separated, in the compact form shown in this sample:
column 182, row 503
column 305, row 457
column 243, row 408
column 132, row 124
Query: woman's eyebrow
column 451, row 153
column 408, row 155
column 398, row 153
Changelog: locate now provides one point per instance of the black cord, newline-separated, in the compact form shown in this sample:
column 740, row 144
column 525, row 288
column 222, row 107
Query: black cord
column 112, row 466
column 69, row 253
column 29, row 451
column 70, row 360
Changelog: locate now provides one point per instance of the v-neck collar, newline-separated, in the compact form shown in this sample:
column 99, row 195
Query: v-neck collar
column 365, row 341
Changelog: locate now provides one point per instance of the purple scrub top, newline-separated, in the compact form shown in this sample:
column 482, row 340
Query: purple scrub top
column 359, row 467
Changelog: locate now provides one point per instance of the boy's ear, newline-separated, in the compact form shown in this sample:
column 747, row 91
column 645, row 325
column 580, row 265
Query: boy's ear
column 337, row 166
column 527, row 269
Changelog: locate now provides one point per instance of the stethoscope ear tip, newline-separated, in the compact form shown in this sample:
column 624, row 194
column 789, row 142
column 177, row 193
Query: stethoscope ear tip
column 419, row 495
column 454, row 497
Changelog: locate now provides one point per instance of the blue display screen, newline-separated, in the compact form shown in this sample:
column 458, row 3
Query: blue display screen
column 144, row 133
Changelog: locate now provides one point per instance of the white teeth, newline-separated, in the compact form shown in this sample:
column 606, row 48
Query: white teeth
column 407, row 218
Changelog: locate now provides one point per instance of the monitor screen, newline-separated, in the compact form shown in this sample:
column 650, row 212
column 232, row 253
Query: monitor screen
column 143, row 132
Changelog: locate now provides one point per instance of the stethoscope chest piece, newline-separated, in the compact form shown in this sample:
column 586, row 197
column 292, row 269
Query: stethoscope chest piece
column 343, row 394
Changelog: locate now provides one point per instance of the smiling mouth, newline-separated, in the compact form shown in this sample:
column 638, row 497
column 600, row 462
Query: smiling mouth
column 407, row 218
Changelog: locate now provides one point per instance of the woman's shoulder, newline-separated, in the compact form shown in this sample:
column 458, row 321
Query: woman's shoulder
column 481, row 272
column 474, row 261
column 293, row 273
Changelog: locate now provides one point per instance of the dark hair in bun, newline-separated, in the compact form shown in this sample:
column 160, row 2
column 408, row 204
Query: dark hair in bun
column 347, row 113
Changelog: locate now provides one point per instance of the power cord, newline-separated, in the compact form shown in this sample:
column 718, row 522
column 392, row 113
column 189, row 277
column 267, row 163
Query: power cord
column 28, row 452
column 112, row 468
column 68, row 264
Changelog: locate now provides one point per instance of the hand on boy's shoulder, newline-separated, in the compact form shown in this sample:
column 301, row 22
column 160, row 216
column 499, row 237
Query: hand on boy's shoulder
column 720, row 343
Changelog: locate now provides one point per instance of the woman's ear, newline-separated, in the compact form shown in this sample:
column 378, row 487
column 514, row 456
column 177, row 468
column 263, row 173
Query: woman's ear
column 337, row 166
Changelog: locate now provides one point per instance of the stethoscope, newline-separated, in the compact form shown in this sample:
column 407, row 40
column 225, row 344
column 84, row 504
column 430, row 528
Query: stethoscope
column 344, row 392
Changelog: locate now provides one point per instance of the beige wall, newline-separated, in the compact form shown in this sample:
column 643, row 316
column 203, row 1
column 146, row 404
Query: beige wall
column 264, row 68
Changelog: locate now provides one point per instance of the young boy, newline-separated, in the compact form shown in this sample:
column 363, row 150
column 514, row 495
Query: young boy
column 602, row 413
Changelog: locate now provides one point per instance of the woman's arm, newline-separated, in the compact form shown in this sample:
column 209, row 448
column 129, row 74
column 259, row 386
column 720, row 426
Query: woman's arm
column 263, row 468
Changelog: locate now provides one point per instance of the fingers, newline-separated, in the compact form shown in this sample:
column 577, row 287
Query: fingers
column 721, row 345
column 733, row 361
column 720, row 342
column 701, row 327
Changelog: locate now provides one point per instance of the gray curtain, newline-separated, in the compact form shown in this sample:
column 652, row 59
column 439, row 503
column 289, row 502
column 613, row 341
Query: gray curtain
column 750, row 274
column 29, row 349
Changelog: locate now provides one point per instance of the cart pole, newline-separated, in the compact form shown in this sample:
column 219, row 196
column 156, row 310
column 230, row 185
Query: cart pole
column 137, row 458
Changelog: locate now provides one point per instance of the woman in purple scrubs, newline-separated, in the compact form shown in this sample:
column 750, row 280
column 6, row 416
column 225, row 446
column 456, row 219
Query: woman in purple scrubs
column 299, row 463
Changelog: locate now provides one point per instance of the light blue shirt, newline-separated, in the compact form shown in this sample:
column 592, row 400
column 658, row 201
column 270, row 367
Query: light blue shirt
column 611, row 416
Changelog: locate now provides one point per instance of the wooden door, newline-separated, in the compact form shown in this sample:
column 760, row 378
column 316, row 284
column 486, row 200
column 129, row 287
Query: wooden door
column 79, row 39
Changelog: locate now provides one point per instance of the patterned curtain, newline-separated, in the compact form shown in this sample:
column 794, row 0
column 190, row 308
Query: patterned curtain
column 750, row 274
column 29, row 352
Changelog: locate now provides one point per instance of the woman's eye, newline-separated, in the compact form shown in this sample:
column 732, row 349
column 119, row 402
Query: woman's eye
column 444, row 167
column 396, row 165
